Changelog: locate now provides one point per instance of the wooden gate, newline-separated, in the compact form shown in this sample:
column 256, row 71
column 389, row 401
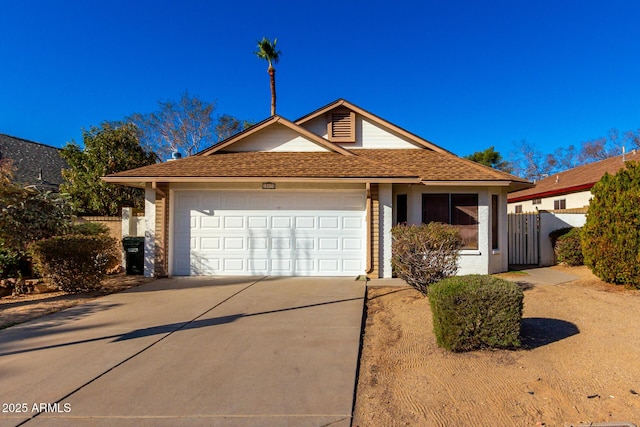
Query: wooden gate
column 524, row 238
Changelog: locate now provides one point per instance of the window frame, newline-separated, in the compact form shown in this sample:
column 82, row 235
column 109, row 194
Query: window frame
column 453, row 214
column 495, row 222
column 559, row 204
column 402, row 211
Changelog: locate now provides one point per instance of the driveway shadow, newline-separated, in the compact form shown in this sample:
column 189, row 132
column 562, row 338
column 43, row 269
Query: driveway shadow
column 539, row 331
column 162, row 331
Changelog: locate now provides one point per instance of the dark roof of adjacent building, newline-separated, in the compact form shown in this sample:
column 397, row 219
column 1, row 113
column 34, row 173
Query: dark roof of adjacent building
column 35, row 164
column 581, row 178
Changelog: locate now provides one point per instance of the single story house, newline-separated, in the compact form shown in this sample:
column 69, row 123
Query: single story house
column 316, row 197
column 35, row 164
column 570, row 189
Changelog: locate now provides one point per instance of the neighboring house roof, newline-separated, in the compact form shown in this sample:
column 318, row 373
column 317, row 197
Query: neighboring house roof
column 321, row 159
column 35, row 164
column 582, row 178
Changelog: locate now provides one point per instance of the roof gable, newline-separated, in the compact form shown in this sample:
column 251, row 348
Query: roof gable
column 296, row 139
column 367, row 121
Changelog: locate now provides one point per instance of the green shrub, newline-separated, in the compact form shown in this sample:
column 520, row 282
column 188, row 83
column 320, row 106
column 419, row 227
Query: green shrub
column 10, row 261
column 568, row 248
column 476, row 311
column 75, row 263
column 424, row 254
column 611, row 234
column 556, row 234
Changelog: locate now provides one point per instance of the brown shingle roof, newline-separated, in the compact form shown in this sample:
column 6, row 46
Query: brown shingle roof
column 406, row 165
column 267, row 164
column 581, row 178
column 434, row 166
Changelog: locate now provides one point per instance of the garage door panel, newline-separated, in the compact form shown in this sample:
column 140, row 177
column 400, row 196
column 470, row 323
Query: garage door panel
column 233, row 222
column 351, row 244
column 258, row 222
column 281, row 222
column 329, row 265
column 209, row 243
column 305, row 222
column 305, row 243
column 233, row 243
column 328, row 244
column 233, row 265
column 207, row 222
column 328, row 222
column 258, row 243
column 271, row 238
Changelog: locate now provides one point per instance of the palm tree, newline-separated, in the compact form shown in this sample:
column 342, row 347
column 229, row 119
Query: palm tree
column 267, row 51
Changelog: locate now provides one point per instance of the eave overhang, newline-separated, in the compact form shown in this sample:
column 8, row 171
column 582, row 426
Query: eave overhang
column 552, row 193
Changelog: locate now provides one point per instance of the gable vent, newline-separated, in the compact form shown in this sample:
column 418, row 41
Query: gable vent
column 342, row 126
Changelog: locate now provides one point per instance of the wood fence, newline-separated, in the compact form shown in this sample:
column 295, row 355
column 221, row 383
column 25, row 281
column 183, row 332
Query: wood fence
column 524, row 238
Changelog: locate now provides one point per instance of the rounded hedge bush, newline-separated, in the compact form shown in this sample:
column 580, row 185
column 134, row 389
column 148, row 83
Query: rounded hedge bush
column 75, row 263
column 568, row 248
column 476, row 311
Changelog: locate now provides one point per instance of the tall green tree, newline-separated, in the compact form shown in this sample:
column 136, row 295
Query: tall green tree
column 268, row 52
column 611, row 235
column 112, row 147
column 490, row 157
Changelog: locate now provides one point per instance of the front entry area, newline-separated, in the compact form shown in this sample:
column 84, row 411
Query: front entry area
column 269, row 232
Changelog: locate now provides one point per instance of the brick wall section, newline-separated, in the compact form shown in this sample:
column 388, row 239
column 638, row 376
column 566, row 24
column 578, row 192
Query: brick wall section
column 374, row 238
column 113, row 223
column 162, row 231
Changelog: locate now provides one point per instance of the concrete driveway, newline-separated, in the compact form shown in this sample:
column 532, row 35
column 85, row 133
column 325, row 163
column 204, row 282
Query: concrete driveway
column 258, row 351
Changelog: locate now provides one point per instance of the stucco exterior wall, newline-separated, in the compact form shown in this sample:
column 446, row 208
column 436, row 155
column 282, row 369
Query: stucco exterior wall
column 368, row 134
column 551, row 221
column 276, row 138
column 573, row 201
column 483, row 260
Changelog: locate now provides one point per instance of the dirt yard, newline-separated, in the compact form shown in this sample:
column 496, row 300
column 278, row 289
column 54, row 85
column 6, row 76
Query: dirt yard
column 580, row 362
column 22, row 308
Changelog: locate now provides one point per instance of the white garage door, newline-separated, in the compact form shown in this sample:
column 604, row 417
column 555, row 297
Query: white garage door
column 269, row 233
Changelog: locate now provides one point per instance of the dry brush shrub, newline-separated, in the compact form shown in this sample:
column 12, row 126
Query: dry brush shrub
column 476, row 311
column 424, row 254
column 75, row 263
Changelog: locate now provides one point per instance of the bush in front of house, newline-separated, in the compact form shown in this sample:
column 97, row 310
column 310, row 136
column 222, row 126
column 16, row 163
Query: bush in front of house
column 424, row 254
column 75, row 263
column 611, row 234
column 476, row 311
column 568, row 248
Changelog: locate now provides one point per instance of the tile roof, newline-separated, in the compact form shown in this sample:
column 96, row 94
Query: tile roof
column 581, row 178
column 36, row 164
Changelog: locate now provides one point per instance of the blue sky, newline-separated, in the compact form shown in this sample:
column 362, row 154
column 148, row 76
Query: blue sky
column 465, row 75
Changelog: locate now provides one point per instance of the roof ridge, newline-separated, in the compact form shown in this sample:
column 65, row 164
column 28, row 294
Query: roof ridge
column 29, row 141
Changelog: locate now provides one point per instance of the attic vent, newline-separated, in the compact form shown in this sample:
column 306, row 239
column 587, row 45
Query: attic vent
column 342, row 126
